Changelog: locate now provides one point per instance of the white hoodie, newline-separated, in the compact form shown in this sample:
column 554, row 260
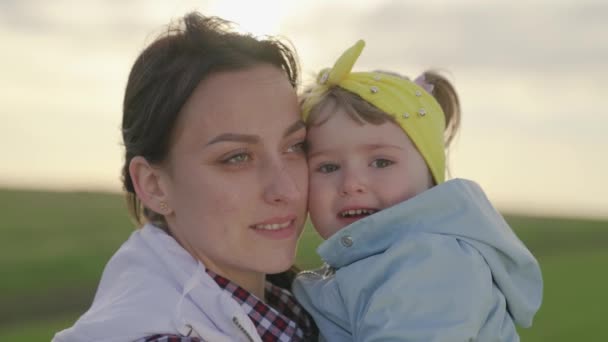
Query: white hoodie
column 153, row 286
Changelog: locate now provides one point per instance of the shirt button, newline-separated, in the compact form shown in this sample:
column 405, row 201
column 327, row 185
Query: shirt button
column 346, row 241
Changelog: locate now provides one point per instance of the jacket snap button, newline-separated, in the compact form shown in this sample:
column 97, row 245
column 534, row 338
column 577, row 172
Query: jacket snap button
column 346, row 241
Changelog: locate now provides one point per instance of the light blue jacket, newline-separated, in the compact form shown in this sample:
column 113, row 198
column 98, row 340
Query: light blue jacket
column 442, row 266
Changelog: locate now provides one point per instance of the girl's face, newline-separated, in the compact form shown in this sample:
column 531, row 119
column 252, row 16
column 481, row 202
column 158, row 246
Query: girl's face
column 358, row 169
column 236, row 177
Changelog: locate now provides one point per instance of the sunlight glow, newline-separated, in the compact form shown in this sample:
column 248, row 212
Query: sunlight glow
column 256, row 17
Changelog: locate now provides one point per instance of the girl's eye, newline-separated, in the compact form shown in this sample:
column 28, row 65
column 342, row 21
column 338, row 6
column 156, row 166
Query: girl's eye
column 327, row 168
column 300, row 147
column 237, row 158
column 381, row 163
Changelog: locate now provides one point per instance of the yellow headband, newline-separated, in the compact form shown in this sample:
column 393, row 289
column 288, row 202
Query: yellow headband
column 415, row 110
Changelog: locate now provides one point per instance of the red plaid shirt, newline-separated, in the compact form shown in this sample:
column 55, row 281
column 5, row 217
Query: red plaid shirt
column 282, row 320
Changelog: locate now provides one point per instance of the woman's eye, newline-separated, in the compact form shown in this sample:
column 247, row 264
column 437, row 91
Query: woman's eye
column 327, row 168
column 300, row 147
column 381, row 163
column 237, row 158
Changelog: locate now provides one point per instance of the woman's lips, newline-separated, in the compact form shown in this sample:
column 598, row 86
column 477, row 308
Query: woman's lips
column 276, row 228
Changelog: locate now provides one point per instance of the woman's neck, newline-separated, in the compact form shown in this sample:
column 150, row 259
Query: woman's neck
column 254, row 282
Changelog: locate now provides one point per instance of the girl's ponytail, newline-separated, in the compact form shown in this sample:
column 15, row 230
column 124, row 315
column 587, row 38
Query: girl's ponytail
column 445, row 93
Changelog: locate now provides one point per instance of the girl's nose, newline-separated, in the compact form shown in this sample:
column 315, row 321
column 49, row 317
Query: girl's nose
column 352, row 184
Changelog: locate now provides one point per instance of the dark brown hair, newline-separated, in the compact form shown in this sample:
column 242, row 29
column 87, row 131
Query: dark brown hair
column 166, row 73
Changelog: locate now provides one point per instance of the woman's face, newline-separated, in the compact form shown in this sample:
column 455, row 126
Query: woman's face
column 236, row 176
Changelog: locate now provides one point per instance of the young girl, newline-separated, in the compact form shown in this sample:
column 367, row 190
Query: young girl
column 409, row 257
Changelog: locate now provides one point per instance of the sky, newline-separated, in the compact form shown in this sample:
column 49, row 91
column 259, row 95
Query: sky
column 531, row 76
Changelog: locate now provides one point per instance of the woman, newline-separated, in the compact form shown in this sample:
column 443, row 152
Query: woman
column 215, row 166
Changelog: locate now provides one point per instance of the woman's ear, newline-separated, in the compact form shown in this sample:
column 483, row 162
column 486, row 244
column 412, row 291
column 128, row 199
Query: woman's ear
column 148, row 185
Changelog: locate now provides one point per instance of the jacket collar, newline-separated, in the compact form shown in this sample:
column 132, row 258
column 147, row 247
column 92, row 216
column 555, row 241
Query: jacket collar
column 457, row 207
column 152, row 285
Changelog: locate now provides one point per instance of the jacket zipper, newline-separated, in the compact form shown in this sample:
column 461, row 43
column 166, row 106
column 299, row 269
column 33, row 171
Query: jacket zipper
column 242, row 329
column 324, row 271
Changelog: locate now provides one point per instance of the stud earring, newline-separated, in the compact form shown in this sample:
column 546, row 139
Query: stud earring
column 164, row 206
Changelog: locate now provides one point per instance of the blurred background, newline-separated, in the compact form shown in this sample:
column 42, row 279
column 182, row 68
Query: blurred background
column 531, row 78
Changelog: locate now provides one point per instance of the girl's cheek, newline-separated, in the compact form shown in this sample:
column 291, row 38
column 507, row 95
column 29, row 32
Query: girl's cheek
column 316, row 189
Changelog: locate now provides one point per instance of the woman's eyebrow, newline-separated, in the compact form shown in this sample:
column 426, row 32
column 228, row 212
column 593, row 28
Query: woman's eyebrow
column 296, row 126
column 247, row 138
column 252, row 139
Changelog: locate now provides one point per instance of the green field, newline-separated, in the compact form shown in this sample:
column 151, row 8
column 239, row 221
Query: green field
column 54, row 247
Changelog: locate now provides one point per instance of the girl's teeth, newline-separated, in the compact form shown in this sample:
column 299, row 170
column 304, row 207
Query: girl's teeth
column 354, row 212
column 274, row 226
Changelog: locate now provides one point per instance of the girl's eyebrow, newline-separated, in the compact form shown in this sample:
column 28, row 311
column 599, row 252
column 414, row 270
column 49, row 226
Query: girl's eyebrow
column 372, row 147
column 318, row 153
column 366, row 147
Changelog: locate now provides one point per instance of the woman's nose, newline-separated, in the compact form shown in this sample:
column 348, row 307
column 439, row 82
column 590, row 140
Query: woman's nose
column 284, row 185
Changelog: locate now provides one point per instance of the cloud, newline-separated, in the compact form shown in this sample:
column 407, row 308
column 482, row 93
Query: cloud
column 91, row 20
column 531, row 78
column 540, row 37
